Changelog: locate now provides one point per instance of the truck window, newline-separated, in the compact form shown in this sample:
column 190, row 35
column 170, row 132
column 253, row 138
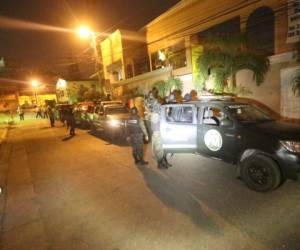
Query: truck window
column 179, row 114
column 212, row 116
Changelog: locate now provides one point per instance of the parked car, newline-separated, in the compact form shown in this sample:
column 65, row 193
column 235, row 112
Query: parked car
column 266, row 151
column 110, row 119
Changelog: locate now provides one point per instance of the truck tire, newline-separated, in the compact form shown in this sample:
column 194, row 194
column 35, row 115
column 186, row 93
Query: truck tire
column 93, row 128
column 260, row 173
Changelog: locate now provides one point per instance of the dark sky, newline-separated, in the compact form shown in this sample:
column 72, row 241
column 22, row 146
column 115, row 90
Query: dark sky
column 54, row 50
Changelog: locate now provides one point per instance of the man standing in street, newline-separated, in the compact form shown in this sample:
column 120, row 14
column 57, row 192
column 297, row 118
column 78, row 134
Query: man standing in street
column 21, row 113
column 136, row 130
column 71, row 123
column 157, row 145
column 38, row 112
column 51, row 115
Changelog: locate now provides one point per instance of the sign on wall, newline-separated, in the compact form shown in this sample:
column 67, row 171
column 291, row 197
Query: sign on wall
column 293, row 34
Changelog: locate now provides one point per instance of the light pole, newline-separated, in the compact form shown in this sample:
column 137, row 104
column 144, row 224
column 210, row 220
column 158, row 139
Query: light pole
column 85, row 32
column 35, row 84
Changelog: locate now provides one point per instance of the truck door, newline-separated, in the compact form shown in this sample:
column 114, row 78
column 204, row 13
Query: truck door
column 178, row 126
column 96, row 117
column 217, row 134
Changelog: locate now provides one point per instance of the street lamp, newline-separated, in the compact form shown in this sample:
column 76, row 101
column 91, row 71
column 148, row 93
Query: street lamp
column 85, row 32
column 35, row 84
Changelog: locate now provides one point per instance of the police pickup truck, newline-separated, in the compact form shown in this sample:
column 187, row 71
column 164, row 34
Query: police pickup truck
column 266, row 151
column 111, row 120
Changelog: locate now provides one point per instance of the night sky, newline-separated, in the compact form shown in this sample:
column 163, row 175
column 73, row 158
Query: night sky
column 49, row 50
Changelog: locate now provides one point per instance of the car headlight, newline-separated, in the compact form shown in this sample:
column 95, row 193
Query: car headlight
column 115, row 123
column 291, row 146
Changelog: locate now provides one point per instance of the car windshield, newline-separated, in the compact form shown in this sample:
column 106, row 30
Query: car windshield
column 247, row 113
column 116, row 110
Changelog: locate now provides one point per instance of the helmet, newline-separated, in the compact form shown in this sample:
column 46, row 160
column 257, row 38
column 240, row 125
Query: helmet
column 133, row 111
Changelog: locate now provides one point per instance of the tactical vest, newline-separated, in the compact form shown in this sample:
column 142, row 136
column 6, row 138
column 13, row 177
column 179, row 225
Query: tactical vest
column 133, row 125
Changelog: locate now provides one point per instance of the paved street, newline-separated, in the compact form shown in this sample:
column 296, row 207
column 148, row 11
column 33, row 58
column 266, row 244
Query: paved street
column 85, row 193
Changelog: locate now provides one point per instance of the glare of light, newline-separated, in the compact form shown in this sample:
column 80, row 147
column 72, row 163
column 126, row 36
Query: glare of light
column 161, row 56
column 114, row 123
column 11, row 23
column 84, row 32
column 61, row 83
column 35, row 83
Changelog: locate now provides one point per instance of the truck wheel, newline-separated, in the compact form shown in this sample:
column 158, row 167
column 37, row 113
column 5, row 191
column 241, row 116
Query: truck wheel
column 93, row 129
column 260, row 173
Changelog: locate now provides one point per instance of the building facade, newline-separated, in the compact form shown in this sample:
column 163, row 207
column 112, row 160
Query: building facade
column 175, row 36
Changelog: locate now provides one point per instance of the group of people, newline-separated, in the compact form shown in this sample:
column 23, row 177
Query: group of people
column 48, row 112
column 42, row 112
column 137, row 132
column 66, row 116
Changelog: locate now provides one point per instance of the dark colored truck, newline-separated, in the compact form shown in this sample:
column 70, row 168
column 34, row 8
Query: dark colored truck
column 266, row 151
column 111, row 119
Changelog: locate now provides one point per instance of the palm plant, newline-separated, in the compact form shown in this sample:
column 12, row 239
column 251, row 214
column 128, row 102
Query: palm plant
column 296, row 84
column 296, row 79
column 165, row 87
column 223, row 56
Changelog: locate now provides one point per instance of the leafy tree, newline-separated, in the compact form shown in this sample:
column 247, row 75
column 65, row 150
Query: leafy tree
column 92, row 95
column 80, row 93
column 164, row 87
column 223, row 56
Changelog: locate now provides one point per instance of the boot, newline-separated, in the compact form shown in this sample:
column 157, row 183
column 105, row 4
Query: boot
column 166, row 162
column 136, row 159
column 161, row 164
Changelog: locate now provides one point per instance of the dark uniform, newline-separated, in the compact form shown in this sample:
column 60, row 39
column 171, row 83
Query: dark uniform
column 71, row 123
column 157, row 144
column 136, row 130
column 51, row 116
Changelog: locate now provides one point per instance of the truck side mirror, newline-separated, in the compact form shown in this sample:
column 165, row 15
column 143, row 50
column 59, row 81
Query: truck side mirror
column 226, row 123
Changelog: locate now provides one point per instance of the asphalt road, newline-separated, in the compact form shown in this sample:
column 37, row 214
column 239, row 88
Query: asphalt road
column 86, row 193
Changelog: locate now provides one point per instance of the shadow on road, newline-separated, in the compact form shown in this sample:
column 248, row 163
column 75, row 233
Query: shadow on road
column 116, row 141
column 177, row 196
column 68, row 138
column 47, row 127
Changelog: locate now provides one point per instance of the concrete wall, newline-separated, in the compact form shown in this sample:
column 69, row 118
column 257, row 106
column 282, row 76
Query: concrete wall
column 269, row 92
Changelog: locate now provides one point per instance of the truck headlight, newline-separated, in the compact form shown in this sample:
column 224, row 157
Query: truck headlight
column 115, row 123
column 291, row 146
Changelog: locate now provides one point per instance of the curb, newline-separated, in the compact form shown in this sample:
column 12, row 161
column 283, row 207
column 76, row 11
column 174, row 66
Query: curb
column 3, row 135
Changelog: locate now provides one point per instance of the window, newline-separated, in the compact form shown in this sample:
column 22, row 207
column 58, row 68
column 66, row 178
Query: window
column 129, row 71
column 213, row 116
column 141, row 65
column 248, row 114
column 261, row 28
column 229, row 27
column 179, row 114
column 174, row 56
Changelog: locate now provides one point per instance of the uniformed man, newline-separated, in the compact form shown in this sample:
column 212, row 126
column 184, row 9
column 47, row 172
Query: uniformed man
column 71, row 123
column 51, row 115
column 157, row 145
column 136, row 130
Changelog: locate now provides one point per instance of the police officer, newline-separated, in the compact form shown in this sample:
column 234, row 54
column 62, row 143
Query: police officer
column 51, row 115
column 157, row 145
column 135, row 131
column 71, row 121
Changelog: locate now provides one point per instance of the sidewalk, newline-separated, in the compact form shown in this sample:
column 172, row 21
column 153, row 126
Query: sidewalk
column 20, row 218
column 3, row 132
